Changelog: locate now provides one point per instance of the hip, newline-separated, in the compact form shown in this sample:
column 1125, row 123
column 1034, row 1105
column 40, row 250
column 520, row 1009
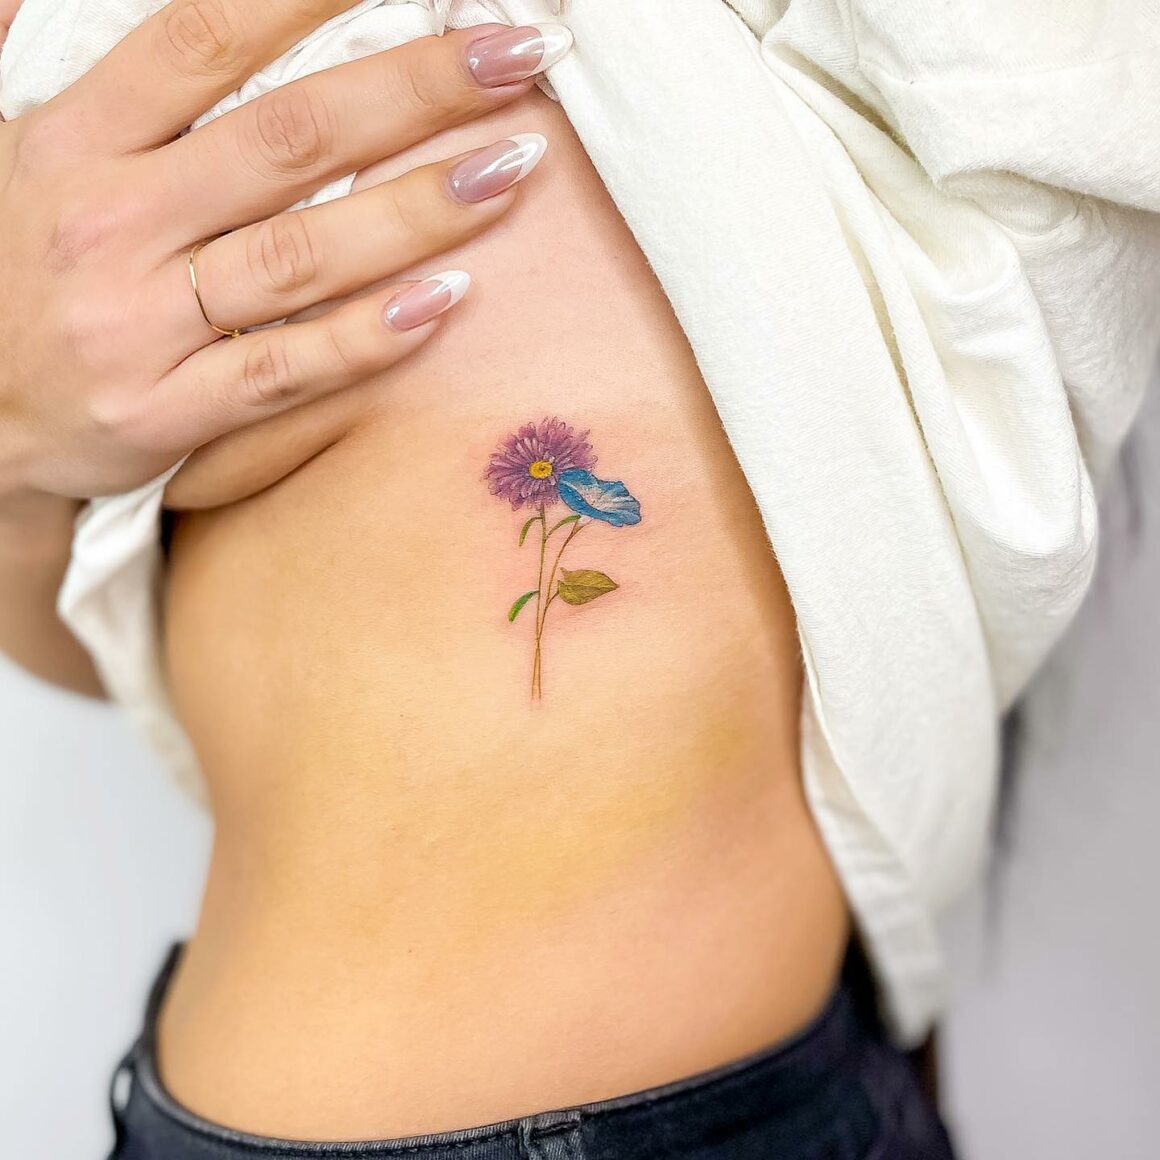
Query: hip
column 836, row 1089
column 553, row 975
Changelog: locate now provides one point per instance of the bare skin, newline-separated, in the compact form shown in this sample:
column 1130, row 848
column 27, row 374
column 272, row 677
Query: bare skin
column 431, row 903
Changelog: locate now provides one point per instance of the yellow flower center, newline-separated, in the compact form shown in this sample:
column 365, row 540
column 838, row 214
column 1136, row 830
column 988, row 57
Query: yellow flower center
column 541, row 469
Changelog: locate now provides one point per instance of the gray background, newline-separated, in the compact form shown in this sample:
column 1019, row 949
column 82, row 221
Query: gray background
column 1053, row 1044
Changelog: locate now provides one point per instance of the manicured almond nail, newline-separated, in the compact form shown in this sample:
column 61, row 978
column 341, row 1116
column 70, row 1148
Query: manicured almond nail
column 502, row 58
column 426, row 300
column 490, row 171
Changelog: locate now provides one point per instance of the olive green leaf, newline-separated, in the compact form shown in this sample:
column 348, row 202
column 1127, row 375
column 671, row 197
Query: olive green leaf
column 518, row 607
column 527, row 528
column 565, row 520
column 584, row 586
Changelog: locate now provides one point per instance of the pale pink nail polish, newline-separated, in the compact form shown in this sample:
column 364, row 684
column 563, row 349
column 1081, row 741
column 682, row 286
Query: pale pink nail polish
column 426, row 300
column 503, row 58
column 490, row 171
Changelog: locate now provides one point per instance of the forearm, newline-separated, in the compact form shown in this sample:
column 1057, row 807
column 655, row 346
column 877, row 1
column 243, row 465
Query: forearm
column 35, row 537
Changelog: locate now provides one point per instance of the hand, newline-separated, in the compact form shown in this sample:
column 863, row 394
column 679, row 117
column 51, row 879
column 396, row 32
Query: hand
column 7, row 15
column 108, row 372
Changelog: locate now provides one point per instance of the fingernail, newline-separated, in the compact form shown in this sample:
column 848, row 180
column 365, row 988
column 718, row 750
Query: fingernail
column 517, row 53
column 426, row 300
column 490, row 171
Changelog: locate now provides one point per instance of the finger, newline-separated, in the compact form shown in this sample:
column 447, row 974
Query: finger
column 287, row 263
column 182, row 61
column 292, row 141
column 246, row 461
column 236, row 382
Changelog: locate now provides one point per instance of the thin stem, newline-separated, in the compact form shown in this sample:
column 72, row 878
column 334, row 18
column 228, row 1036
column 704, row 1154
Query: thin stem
column 537, row 662
column 543, row 616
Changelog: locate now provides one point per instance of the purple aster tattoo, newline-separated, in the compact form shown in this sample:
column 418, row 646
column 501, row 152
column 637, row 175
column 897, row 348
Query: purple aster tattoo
column 527, row 466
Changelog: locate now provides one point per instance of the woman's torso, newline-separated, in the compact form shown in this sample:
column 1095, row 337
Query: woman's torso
column 431, row 902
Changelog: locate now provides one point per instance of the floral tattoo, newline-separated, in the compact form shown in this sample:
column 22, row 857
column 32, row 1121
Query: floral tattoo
column 538, row 466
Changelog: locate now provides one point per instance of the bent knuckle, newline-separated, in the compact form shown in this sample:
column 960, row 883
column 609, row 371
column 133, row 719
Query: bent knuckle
column 416, row 219
column 416, row 91
column 119, row 418
column 200, row 38
column 344, row 352
column 106, row 413
column 294, row 129
column 267, row 376
column 81, row 228
column 283, row 259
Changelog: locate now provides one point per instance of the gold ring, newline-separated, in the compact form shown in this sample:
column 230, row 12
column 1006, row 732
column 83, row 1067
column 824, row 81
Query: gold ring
column 197, row 293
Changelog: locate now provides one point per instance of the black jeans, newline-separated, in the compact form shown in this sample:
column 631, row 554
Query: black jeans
column 836, row 1091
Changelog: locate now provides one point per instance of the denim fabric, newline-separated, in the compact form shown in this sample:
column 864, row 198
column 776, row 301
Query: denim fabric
column 836, row 1091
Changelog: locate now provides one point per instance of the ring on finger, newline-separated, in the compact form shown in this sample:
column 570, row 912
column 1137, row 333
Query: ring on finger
column 193, row 253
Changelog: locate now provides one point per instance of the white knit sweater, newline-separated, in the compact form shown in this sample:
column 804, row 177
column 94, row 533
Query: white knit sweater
column 921, row 274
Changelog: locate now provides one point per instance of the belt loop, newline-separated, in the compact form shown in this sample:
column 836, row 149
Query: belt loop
column 552, row 1136
column 120, row 1089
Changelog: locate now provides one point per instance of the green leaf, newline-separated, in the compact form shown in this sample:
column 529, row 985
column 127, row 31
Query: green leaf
column 518, row 607
column 565, row 520
column 527, row 528
column 584, row 586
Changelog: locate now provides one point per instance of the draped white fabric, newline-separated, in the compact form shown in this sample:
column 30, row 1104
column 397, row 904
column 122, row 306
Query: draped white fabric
column 914, row 250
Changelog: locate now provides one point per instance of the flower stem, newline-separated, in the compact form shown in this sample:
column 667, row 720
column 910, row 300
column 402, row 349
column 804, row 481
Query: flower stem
column 542, row 615
column 576, row 530
column 544, row 602
column 537, row 662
